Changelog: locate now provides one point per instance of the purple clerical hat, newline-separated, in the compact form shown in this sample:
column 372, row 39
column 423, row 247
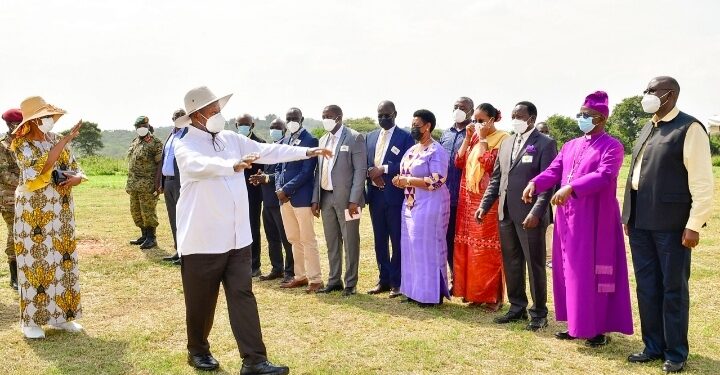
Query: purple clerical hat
column 599, row 102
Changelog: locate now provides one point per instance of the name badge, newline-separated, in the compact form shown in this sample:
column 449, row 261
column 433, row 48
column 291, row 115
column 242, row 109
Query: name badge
column 297, row 142
column 344, row 148
column 526, row 159
column 395, row 150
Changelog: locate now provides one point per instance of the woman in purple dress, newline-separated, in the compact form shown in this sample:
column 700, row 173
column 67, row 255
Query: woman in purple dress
column 425, row 215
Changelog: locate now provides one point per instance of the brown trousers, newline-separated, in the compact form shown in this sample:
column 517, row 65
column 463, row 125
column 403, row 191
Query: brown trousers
column 201, row 277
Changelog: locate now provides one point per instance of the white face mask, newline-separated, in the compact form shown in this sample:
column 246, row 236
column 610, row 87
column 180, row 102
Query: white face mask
column 329, row 124
column 519, row 126
column 651, row 103
column 459, row 116
column 46, row 124
column 215, row 123
column 142, row 131
column 293, row 126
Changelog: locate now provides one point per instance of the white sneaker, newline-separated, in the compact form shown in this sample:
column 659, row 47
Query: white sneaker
column 33, row 332
column 69, row 326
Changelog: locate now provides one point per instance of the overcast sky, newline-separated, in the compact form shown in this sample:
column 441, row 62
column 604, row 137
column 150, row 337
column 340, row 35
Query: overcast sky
column 111, row 61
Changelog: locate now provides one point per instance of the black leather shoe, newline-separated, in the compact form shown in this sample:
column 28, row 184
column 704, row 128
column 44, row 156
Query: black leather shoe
column 172, row 258
column 271, row 276
column 379, row 289
column 564, row 335
column 642, row 357
column 510, row 317
column 331, row 288
column 597, row 341
column 140, row 239
column 204, row 362
column 13, row 274
column 347, row 292
column 395, row 292
column 256, row 273
column 176, row 262
column 536, row 324
column 670, row 366
column 264, row 368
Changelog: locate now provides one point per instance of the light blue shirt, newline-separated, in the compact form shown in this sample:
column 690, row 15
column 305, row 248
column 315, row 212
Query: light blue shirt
column 169, row 161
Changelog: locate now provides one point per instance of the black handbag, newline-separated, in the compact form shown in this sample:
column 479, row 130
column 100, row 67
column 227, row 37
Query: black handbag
column 58, row 175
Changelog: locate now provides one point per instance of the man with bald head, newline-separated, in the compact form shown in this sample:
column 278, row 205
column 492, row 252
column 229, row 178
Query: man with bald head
column 271, row 217
column 294, row 188
column 543, row 128
column 339, row 193
column 244, row 125
column 385, row 149
column 668, row 199
column 451, row 141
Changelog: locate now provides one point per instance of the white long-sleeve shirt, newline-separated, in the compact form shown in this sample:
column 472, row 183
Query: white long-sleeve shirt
column 212, row 212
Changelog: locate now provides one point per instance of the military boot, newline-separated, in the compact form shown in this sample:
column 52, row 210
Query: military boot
column 150, row 240
column 13, row 275
column 140, row 240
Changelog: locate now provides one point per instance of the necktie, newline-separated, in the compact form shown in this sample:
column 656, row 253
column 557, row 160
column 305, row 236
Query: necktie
column 380, row 147
column 516, row 149
column 324, row 182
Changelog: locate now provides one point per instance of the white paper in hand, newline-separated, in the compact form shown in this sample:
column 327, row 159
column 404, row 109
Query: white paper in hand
column 349, row 217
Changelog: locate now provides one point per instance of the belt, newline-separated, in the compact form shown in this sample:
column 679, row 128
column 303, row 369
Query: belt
column 169, row 178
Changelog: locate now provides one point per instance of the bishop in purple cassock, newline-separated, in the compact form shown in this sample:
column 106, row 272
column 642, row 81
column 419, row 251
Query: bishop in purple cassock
column 590, row 275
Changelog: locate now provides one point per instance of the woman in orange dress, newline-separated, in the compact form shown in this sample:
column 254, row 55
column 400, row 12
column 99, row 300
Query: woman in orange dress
column 478, row 259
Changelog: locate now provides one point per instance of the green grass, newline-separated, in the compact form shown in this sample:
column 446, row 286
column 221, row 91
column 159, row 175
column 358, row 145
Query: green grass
column 103, row 165
column 134, row 317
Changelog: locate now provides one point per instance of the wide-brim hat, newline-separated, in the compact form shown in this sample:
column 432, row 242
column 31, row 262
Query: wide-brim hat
column 35, row 107
column 197, row 99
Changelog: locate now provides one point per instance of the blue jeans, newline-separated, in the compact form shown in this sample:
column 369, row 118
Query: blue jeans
column 662, row 271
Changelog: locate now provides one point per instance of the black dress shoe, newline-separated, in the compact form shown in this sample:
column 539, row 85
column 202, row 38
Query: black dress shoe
column 510, row 317
column 204, row 362
column 536, row 324
column 642, row 357
column 273, row 275
column 176, row 262
column 597, row 341
column 347, row 292
column 331, row 288
column 287, row 279
column 172, row 258
column 264, row 368
column 379, row 289
column 564, row 335
column 256, row 273
column 395, row 292
column 670, row 366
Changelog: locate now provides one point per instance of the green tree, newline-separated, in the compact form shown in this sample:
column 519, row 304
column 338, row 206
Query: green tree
column 89, row 140
column 626, row 120
column 562, row 128
column 317, row 132
column 362, row 125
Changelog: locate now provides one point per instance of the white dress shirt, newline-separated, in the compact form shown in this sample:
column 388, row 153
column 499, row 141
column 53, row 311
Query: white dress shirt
column 385, row 147
column 330, row 142
column 212, row 212
column 523, row 139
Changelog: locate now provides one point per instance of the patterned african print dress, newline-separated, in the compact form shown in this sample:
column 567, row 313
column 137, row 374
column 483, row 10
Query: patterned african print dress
column 424, row 225
column 45, row 238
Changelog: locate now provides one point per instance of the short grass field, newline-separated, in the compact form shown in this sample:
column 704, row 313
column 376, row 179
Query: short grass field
column 135, row 322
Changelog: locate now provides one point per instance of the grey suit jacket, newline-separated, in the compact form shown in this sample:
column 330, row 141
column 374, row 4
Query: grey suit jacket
column 348, row 171
column 509, row 180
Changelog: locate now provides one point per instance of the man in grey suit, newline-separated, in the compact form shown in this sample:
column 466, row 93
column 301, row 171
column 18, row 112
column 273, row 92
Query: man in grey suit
column 339, row 193
column 522, row 226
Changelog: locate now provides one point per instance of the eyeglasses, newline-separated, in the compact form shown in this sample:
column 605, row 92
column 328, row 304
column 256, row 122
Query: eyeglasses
column 585, row 115
column 653, row 90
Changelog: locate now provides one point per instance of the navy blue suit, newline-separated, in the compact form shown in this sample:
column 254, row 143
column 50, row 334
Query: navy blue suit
column 296, row 178
column 386, row 204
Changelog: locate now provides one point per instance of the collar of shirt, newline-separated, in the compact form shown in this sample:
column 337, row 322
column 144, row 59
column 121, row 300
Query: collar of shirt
column 669, row 117
column 338, row 133
column 389, row 131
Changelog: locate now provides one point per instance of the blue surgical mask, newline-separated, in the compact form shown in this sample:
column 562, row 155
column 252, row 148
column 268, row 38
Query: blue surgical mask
column 585, row 124
column 276, row 134
column 244, row 130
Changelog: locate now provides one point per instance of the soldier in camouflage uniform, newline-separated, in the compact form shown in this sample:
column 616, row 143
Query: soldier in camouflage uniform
column 9, row 177
column 144, row 155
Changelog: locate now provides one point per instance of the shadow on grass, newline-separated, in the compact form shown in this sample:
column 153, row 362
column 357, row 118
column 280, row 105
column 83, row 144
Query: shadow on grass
column 79, row 353
column 10, row 314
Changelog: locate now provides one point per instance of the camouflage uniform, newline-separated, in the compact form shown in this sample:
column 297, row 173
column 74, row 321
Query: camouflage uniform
column 143, row 157
column 9, row 177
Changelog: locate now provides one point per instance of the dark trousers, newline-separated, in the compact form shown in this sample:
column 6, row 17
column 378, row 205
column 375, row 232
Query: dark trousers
column 523, row 248
column 171, row 190
column 275, row 235
column 386, row 222
column 450, row 237
column 255, row 208
column 201, row 277
column 662, row 271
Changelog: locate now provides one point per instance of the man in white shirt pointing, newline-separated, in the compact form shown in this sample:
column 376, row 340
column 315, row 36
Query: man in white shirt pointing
column 213, row 230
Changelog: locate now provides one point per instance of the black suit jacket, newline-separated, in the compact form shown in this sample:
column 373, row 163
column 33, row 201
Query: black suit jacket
column 509, row 180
